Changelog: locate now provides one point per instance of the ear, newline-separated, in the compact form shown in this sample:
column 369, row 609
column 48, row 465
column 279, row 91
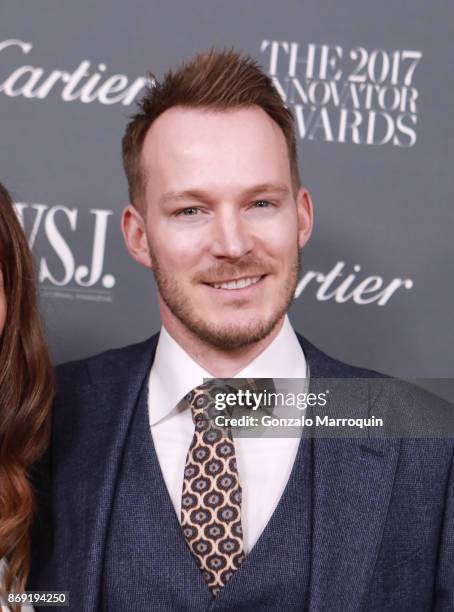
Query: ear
column 135, row 236
column 305, row 216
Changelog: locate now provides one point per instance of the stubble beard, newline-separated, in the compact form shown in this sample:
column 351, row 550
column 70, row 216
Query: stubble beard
column 230, row 336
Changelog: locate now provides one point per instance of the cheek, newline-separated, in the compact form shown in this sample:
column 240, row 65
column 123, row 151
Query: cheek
column 177, row 253
column 282, row 247
column 280, row 235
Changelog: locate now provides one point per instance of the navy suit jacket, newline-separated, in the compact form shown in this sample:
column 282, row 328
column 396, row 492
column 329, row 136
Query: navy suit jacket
column 383, row 509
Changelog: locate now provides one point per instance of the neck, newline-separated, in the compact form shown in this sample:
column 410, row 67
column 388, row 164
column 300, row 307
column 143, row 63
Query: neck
column 219, row 363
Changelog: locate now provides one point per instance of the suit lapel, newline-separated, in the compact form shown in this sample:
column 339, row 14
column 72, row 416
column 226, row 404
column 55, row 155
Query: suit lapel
column 352, row 486
column 105, row 412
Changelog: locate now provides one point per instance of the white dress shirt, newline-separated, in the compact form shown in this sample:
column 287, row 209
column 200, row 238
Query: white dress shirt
column 264, row 464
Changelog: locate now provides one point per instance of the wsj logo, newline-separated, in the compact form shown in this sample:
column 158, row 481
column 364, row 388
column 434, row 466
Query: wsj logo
column 59, row 274
column 357, row 95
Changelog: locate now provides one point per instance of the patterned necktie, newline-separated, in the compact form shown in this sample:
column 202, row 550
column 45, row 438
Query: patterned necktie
column 211, row 500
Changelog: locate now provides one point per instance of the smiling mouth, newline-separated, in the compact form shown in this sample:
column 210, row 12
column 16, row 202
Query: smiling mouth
column 240, row 283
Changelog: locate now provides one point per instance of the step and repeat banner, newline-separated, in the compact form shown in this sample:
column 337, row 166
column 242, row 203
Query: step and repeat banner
column 371, row 87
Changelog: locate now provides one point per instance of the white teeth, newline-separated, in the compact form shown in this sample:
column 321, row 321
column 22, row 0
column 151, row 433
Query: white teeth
column 238, row 284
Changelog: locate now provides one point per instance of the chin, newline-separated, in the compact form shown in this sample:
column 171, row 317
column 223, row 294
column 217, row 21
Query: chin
column 233, row 336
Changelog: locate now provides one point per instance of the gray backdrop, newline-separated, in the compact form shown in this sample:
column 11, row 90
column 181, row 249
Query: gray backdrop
column 371, row 85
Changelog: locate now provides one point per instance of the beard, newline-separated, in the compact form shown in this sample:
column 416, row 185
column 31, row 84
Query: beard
column 233, row 335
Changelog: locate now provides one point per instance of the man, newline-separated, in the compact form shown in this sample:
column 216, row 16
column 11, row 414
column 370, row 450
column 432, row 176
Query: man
column 141, row 520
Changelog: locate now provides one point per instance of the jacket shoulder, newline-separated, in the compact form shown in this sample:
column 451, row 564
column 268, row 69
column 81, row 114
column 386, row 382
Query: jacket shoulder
column 325, row 366
column 102, row 366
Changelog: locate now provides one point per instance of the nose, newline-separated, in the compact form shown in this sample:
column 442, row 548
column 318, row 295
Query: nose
column 232, row 237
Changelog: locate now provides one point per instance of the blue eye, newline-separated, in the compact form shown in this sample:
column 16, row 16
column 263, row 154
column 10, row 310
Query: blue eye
column 262, row 204
column 191, row 211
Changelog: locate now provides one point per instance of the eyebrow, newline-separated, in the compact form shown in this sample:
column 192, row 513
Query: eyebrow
column 204, row 196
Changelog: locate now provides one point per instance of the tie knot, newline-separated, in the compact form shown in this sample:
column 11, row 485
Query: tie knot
column 202, row 400
column 208, row 400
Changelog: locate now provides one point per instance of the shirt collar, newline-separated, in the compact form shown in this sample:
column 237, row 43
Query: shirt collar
column 174, row 373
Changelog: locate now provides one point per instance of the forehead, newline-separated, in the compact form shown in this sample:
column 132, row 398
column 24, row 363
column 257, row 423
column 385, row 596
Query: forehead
column 187, row 148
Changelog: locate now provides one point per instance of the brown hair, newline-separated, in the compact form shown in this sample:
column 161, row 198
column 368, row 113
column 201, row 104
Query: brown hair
column 26, row 392
column 218, row 80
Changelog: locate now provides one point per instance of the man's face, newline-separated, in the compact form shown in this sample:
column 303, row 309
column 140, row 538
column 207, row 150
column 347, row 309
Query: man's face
column 221, row 227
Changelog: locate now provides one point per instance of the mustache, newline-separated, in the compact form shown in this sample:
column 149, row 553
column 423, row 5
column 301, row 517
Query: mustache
column 225, row 272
